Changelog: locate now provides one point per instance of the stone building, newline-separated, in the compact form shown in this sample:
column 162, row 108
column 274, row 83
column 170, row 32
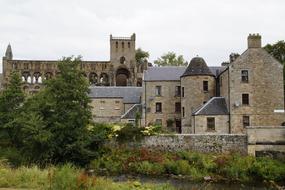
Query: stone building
column 246, row 91
column 121, row 70
column 114, row 104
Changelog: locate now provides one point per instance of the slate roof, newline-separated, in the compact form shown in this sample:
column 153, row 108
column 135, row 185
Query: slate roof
column 215, row 106
column 131, row 113
column 128, row 93
column 172, row 73
column 197, row 66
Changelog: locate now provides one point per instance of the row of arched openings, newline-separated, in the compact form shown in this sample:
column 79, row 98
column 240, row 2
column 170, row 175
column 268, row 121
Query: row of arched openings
column 122, row 78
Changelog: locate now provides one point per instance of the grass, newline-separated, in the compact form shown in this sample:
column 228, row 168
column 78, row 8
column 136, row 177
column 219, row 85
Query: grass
column 66, row 177
column 192, row 165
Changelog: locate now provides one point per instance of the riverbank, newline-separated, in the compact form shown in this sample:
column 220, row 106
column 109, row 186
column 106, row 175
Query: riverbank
column 191, row 166
column 66, row 177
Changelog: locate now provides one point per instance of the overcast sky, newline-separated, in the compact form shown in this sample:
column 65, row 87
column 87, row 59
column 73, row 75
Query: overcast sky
column 50, row 29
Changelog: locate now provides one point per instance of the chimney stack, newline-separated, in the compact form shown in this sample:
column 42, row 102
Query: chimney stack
column 254, row 41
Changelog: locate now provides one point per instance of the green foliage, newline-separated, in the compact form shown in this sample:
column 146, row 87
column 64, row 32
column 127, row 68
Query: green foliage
column 266, row 168
column 12, row 155
column 141, row 55
column 51, row 126
column 66, row 177
column 238, row 168
column 277, row 50
column 148, row 168
column 129, row 133
column 170, row 59
column 192, row 164
column 11, row 100
column 138, row 119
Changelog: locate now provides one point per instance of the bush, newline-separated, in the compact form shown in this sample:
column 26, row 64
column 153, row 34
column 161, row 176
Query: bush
column 238, row 168
column 64, row 177
column 266, row 168
column 13, row 156
column 148, row 168
column 22, row 177
column 129, row 133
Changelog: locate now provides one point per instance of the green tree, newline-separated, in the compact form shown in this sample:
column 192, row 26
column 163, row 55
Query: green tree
column 170, row 59
column 11, row 100
column 62, row 115
column 141, row 55
column 277, row 50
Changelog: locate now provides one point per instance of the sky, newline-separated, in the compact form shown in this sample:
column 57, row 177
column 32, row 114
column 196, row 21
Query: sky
column 51, row 29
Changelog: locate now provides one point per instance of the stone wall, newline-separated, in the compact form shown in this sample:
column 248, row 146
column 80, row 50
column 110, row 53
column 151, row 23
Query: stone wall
column 194, row 142
column 264, row 139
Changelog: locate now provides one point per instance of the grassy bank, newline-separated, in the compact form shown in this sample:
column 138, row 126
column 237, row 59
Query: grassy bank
column 195, row 166
column 66, row 177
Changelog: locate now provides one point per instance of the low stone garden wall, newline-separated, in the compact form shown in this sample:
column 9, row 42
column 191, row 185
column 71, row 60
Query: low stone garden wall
column 193, row 142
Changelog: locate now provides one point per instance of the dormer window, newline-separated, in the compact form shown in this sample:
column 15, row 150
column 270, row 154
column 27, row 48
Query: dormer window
column 244, row 76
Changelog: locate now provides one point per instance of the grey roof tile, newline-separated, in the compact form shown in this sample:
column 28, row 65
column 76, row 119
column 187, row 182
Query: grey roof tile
column 215, row 106
column 129, row 94
column 197, row 66
column 164, row 73
column 131, row 113
column 172, row 73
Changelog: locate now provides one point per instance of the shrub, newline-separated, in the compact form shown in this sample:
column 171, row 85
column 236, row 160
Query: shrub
column 129, row 133
column 148, row 168
column 268, row 169
column 64, row 177
column 238, row 168
column 12, row 155
column 22, row 177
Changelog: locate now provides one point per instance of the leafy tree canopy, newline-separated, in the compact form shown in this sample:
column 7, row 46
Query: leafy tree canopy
column 170, row 59
column 141, row 55
column 277, row 50
column 11, row 100
column 55, row 121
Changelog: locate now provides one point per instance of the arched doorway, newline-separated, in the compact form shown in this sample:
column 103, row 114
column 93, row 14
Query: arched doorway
column 122, row 77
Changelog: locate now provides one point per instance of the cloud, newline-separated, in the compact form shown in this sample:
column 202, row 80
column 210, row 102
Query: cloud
column 40, row 29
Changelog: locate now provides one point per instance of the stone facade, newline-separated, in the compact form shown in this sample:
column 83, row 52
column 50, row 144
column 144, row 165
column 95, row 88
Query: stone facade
column 264, row 87
column 251, row 85
column 121, row 70
column 168, row 100
column 200, row 124
column 194, row 97
column 107, row 109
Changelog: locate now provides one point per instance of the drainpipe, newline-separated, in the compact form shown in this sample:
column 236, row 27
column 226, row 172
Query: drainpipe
column 229, row 94
column 194, row 124
column 145, row 104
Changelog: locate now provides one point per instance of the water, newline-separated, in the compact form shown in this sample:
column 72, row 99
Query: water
column 189, row 185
